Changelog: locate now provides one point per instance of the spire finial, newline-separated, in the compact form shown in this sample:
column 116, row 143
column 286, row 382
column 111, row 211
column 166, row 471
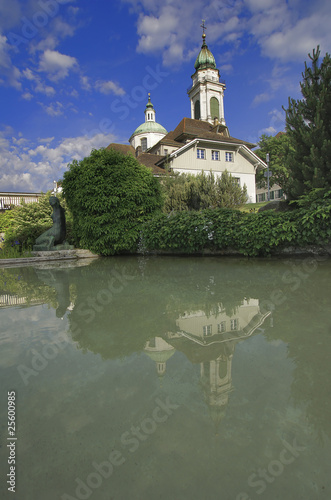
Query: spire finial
column 203, row 26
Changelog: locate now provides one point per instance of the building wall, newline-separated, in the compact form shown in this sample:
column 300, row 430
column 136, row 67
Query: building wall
column 10, row 200
column 152, row 139
column 276, row 193
column 240, row 167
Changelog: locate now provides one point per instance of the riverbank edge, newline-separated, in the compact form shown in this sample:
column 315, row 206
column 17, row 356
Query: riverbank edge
column 66, row 255
column 58, row 255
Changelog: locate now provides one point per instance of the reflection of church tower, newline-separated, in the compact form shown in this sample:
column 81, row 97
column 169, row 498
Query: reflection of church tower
column 159, row 351
column 216, row 380
column 206, row 93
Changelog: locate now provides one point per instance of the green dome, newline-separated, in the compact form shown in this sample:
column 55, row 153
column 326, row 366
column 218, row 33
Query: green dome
column 150, row 127
column 205, row 58
column 160, row 356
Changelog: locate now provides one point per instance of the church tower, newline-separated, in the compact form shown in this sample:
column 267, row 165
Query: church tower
column 206, row 93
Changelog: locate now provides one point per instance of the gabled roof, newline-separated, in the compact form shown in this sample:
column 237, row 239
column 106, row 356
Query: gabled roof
column 189, row 129
column 237, row 143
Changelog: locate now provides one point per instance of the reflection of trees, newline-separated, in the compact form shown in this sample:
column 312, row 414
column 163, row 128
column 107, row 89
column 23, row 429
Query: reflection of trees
column 23, row 282
column 303, row 322
column 160, row 290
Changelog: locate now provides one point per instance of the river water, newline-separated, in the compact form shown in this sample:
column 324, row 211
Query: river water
column 175, row 378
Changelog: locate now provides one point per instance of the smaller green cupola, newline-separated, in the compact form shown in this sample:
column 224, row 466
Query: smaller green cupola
column 149, row 132
column 149, row 110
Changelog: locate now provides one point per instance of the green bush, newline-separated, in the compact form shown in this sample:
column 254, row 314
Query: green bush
column 22, row 225
column 110, row 195
column 252, row 234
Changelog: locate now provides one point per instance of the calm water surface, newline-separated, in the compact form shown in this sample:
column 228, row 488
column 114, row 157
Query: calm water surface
column 168, row 378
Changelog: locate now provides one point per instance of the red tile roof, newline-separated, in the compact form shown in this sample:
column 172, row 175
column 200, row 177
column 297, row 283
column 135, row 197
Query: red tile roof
column 122, row 148
column 150, row 160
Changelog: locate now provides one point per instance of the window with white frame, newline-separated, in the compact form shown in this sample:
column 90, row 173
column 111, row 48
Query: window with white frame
column 221, row 327
column 215, row 155
column 234, row 324
column 228, row 156
column 201, row 154
column 207, row 330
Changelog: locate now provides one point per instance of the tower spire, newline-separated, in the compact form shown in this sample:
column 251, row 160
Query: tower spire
column 206, row 93
column 203, row 26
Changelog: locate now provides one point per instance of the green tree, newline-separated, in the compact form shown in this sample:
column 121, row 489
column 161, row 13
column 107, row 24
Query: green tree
column 23, row 224
column 110, row 195
column 278, row 147
column 197, row 192
column 308, row 126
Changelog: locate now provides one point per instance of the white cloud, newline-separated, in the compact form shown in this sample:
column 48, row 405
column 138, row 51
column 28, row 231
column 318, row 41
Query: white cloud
column 34, row 168
column 226, row 68
column 284, row 30
column 263, row 97
column 58, row 30
column 27, row 96
column 39, row 85
column 11, row 75
column 109, row 87
column 53, row 109
column 85, row 82
column 56, row 65
column 276, row 123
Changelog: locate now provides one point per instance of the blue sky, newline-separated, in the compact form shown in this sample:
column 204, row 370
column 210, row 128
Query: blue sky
column 74, row 74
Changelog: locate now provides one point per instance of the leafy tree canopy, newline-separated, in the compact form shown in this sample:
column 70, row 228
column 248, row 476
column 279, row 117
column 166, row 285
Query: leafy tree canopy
column 197, row 192
column 110, row 194
column 278, row 147
column 308, row 126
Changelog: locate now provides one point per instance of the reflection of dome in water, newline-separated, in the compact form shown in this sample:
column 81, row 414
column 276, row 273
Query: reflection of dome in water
column 159, row 351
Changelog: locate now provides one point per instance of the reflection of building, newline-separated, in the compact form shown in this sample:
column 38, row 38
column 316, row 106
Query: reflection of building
column 202, row 328
column 210, row 340
column 159, row 351
column 8, row 300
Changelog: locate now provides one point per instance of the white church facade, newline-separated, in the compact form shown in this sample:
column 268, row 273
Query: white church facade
column 200, row 143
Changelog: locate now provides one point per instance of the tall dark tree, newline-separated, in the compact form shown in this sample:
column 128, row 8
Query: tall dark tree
column 308, row 126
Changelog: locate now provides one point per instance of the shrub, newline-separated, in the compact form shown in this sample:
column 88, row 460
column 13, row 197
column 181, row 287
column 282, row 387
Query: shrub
column 252, row 234
column 110, row 195
column 201, row 191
